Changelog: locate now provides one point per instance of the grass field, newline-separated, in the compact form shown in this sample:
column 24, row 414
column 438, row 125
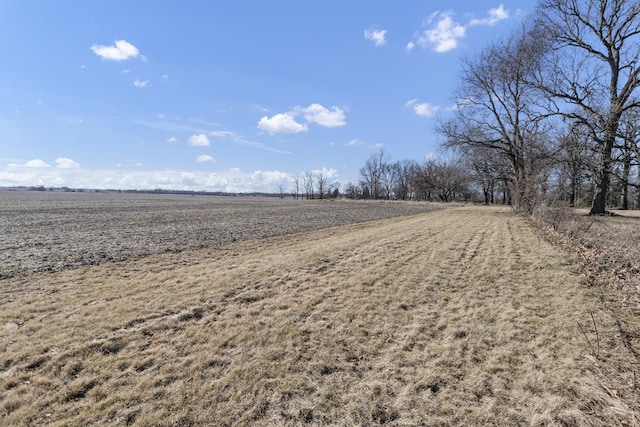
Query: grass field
column 461, row 316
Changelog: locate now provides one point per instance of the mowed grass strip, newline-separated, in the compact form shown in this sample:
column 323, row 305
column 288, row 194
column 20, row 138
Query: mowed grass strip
column 454, row 317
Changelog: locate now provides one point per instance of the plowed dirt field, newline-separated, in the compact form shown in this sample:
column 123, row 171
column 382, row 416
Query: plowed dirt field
column 460, row 316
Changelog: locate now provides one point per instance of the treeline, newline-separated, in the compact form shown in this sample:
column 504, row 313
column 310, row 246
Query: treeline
column 549, row 113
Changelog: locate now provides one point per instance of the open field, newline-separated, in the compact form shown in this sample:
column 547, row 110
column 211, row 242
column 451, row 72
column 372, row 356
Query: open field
column 51, row 231
column 461, row 316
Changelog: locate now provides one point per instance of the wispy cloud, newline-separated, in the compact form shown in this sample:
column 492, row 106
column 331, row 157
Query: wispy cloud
column 239, row 139
column 173, row 139
column 353, row 143
column 141, row 83
column 377, row 36
column 119, row 51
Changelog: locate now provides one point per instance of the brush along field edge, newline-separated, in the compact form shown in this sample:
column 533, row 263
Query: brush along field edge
column 455, row 317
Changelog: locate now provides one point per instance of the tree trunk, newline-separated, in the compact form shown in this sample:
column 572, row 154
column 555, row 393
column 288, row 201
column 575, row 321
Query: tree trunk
column 602, row 178
column 626, row 173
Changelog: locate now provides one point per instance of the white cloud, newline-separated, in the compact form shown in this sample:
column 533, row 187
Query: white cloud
column 120, row 51
column 378, row 145
column 377, row 36
column 165, row 77
column 204, row 158
column 66, row 163
column 353, row 142
column 239, row 139
column 281, row 123
column 36, row 163
column 231, row 181
column 199, row 140
column 173, row 139
column 423, row 109
column 444, row 35
column 316, row 113
column 495, row 15
column 142, row 83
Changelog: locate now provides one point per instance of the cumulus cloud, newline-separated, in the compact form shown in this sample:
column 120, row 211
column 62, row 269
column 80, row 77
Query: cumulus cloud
column 141, row 83
column 316, row 113
column 36, row 163
column 423, row 109
column 445, row 33
column 66, row 163
column 495, row 15
column 281, row 123
column 231, row 181
column 199, row 140
column 204, row 158
column 376, row 36
column 119, row 51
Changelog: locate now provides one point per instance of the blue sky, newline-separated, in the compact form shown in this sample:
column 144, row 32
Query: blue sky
column 227, row 95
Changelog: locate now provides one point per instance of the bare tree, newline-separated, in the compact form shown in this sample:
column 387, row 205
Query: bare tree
column 371, row 174
column 388, row 179
column 630, row 155
column 595, row 65
column 296, row 187
column 403, row 187
column 498, row 109
column 282, row 188
column 308, row 184
column 486, row 169
column 574, row 160
column 321, row 179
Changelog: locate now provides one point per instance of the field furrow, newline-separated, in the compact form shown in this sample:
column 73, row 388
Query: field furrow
column 452, row 317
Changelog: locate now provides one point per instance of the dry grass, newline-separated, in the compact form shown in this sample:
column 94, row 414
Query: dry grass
column 454, row 317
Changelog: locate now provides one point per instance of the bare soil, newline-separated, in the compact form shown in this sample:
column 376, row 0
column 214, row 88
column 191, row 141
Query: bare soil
column 461, row 316
column 52, row 231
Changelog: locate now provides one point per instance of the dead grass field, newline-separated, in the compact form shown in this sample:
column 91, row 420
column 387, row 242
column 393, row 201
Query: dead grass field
column 453, row 317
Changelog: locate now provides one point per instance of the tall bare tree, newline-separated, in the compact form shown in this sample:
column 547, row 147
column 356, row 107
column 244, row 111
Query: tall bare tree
column 575, row 160
column 321, row 179
column 296, row 186
column 498, row 108
column 371, row 174
column 308, row 184
column 594, row 64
